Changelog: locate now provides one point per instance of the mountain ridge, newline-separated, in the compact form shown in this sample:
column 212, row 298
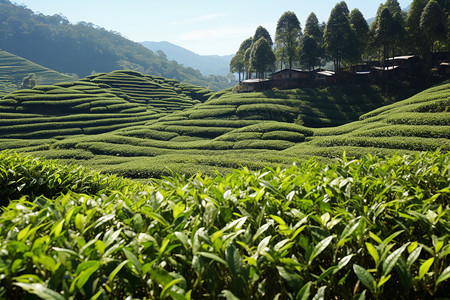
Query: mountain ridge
column 84, row 48
column 206, row 64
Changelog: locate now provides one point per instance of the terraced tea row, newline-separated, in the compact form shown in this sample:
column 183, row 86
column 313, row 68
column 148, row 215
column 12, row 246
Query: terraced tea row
column 91, row 106
column 228, row 130
column 13, row 69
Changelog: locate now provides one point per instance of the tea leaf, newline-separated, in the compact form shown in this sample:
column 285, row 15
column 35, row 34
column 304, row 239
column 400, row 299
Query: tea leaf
column 133, row 259
column 40, row 290
column 444, row 275
column 392, row 259
column 304, row 292
column 169, row 286
column 322, row 245
column 292, row 278
column 116, row 270
column 373, row 252
column 425, row 267
column 365, row 277
column 213, row 257
column 413, row 256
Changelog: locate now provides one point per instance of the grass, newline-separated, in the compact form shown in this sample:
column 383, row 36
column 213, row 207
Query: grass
column 369, row 228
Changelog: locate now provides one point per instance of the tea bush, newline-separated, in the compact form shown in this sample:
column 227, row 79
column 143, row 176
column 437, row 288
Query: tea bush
column 372, row 228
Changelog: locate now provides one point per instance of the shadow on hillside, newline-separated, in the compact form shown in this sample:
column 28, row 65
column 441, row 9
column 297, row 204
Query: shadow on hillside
column 339, row 104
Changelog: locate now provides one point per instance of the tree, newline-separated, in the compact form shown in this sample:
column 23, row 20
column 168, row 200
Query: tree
column 398, row 26
column 287, row 37
column 413, row 25
column 310, row 52
column 432, row 24
column 339, row 37
column 262, row 32
column 262, row 58
column 243, row 48
column 312, row 28
column 237, row 64
column 383, row 31
column 359, row 24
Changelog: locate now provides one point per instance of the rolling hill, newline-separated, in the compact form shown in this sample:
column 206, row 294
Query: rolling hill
column 14, row 68
column 142, row 126
column 206, row 64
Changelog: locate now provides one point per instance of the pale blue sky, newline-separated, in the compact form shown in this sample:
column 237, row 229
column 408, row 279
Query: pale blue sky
column 202, row 26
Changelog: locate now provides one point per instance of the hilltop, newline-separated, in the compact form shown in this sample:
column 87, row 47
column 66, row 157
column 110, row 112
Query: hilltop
column 84, row 48
column 13, row 69
column 143, row 126
column 206, row 64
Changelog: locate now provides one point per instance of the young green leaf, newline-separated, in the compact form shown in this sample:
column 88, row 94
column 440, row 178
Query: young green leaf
column 40, row 290
column 213, row 257
column 117, row 270
column 373, row 252
column 133, row 259
column 391, row 260
column 322, row 245
column 304, row 292
column 425, row 267
column 365, row 277
column 444, row 275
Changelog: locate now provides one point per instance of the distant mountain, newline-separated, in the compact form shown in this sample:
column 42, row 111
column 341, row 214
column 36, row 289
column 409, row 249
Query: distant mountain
column 84, row 48
column 206, row 64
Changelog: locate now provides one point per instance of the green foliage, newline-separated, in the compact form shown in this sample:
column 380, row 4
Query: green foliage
column 370, row 227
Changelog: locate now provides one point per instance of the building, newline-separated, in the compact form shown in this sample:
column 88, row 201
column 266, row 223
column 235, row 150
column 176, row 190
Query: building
column 253, row 85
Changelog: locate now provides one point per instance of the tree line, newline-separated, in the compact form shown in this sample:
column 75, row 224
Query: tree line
column 346, row 38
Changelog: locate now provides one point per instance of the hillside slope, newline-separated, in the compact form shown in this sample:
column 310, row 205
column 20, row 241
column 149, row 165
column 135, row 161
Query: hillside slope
column 14, row 68
column 95, row 104
column 142, row 136
column 83, row 48
column 206, row 64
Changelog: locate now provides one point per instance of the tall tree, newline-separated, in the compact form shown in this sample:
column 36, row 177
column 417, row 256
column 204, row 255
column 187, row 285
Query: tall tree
column 398, row 25
column 245, row 45
column 237, row 64
column 287, row 37
column 361, row 28
column 312, row 28
column 262, row 58
column 262, row 32
column 432, row 24
column 413, row 26
column 339, row 36
column 383, row 31
column 310, row 52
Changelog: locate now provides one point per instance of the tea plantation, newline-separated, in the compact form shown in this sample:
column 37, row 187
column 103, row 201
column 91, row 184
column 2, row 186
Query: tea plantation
column 333, row 192
column 369, row 228
column 142, row 126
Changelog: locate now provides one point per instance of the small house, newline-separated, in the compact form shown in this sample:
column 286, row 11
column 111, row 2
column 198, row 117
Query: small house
column 406, row 63
column 444, row 68
column 257, row 84
column 325, row 77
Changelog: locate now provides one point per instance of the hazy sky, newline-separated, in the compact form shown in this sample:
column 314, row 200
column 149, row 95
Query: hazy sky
column 203, row 26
